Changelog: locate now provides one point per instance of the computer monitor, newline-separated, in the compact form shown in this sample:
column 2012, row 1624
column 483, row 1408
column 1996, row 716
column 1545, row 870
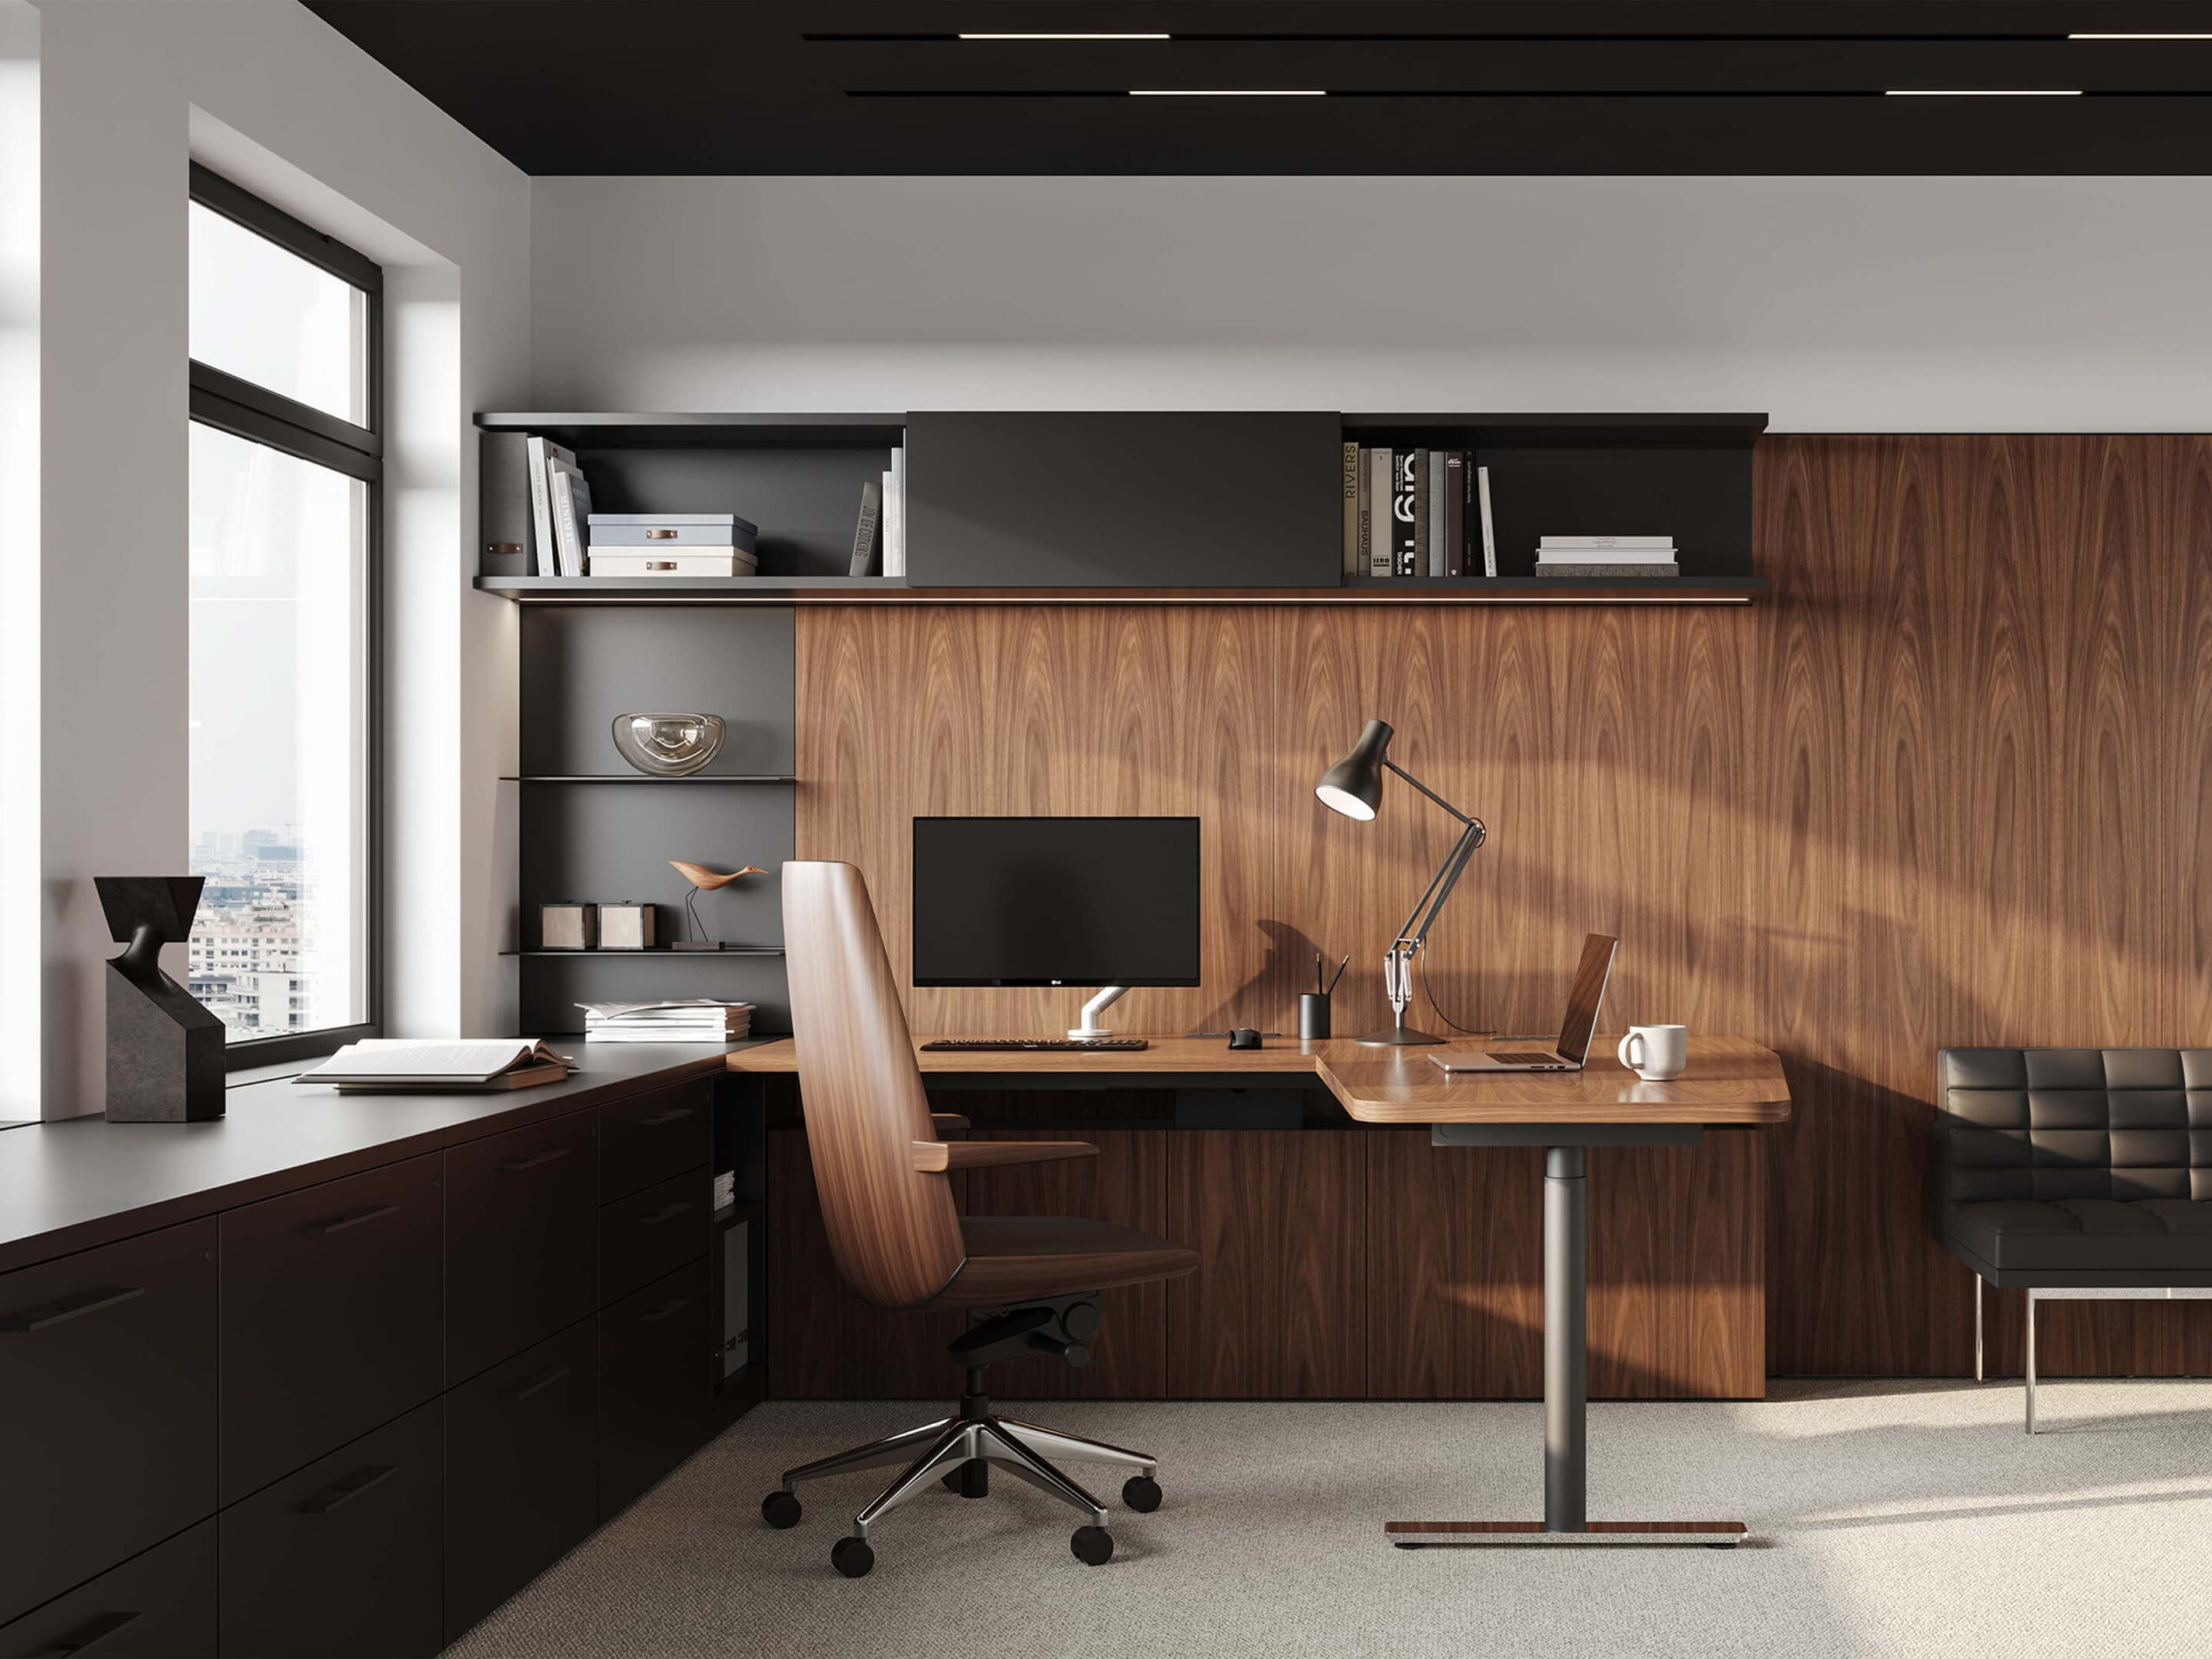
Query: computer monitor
column 1107, row 902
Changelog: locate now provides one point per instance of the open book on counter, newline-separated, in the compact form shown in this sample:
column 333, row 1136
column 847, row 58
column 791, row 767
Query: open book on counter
column 397, row 1064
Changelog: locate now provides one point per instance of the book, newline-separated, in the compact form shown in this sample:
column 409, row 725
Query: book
column 1351, row 509
column 1364, row 561
column 1423, row 514
column 1490, row 537
column 1611, row 543
column 571, row 511
column 894, row 519
column 1640, row 570
column 544, row 559
column 866, row 549
column 685, row 1020
column 388, row 1063
column 503, row 511
column 1405, row 492
column 1379, row 475
column 1610, row 554
column 1440, row 509
column 1455, row 514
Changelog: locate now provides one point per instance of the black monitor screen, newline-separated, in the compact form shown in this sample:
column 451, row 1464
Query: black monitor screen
column 1055, row 901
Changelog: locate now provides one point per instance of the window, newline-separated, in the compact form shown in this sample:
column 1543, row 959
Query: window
column 285, row 460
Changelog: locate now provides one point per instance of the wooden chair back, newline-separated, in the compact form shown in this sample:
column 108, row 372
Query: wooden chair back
column 893, row 1228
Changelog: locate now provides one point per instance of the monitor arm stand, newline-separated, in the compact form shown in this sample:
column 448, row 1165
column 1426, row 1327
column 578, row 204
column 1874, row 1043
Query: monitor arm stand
column 1089, row 1030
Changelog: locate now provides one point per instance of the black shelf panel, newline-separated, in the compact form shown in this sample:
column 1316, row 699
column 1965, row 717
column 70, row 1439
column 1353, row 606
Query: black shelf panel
column 608, row 430
column 658, row 953
column 646, row 777
column 1564, row 431
column 607, row 590
column 1687, row 589
column 1356, row 590
column 730, row 1214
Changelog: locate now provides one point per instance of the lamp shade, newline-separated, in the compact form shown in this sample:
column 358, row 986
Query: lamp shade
column 1354, row 786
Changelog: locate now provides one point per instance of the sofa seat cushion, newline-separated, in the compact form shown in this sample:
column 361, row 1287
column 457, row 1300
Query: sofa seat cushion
column 2152, row 1236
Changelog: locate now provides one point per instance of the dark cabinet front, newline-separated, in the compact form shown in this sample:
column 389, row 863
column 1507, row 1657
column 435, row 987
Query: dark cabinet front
column 107, row 1407
column 653, row 1232
column 330, row 1316
column 341, row 1558
column 654, row 1371
column 652, row 1136
column 1124, row 500
column 522, row 1239
column 522, row 1477
column 160, row 1605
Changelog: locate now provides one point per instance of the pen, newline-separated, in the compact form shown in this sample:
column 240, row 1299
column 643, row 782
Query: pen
column 1340, row 974
column 1320, row 988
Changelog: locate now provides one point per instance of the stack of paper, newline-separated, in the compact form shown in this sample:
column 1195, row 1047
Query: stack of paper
column 684, row 1020
column 1607, row 555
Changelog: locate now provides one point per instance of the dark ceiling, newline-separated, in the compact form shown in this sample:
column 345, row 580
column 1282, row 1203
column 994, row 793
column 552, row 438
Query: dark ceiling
column 1446, row 86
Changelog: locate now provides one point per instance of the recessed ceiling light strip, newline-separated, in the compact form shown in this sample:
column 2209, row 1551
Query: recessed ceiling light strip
column 1981, row 92
column 1039, row 36
column 1225, row 92
column 2139, row 37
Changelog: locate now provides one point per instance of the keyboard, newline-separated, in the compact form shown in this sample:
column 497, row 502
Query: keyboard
column 1033, row 1044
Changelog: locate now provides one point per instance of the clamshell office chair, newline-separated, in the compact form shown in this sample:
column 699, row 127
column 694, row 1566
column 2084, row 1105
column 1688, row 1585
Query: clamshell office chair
column 1030, row 1284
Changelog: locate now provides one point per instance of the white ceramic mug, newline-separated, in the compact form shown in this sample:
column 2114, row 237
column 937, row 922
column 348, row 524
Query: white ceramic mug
column 1655, row 1052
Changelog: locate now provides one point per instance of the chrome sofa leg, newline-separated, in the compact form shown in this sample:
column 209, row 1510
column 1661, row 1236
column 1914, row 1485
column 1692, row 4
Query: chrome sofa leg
column 2031, row 1362
column 1977, row 1330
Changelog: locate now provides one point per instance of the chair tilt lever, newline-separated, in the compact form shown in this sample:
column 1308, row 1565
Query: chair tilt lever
column 1063, row 1325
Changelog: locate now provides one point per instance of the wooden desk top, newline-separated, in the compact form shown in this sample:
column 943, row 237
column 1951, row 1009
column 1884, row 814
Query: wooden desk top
column 1730, row 1080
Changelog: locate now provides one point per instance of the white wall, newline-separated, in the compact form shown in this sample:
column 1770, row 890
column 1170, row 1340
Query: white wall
column 1834, row 304
column 265, row 93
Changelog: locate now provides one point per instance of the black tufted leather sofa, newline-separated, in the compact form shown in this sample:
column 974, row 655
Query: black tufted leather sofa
column 2073, row 1172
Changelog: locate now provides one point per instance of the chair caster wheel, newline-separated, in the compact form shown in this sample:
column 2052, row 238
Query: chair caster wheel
column 1141, row 1493
column 780, row 1509
column 1093, row 1545
column 852, row 1557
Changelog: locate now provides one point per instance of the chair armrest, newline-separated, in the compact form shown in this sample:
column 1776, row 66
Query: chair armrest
column 946, row 1122
column 933, row 1157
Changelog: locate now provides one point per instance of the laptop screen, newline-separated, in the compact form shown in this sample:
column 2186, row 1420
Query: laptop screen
column 1587, row 995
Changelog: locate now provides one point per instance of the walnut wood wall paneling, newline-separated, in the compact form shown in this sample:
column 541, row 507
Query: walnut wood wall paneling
column 1944, row 787
column 1455, row 1282
column 1278, row 1310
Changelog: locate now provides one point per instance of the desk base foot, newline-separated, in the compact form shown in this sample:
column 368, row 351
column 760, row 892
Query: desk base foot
column 1417, row 1535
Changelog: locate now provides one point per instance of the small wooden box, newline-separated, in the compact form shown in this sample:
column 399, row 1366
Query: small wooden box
column 627, row 927
column 565, row 926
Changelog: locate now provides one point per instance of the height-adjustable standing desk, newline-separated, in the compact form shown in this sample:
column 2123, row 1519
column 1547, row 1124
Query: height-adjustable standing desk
column 1732, row 1083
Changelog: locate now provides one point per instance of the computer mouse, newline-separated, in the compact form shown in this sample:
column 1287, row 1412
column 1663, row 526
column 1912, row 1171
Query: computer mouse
column 1244, row 1037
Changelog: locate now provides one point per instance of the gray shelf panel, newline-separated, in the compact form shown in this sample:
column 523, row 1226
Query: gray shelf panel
column 608, row 429
column 643, row 778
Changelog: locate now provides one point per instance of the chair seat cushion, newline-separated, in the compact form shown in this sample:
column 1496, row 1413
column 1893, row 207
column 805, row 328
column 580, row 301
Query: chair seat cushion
column 1010, row 1257
column 2150, row 1236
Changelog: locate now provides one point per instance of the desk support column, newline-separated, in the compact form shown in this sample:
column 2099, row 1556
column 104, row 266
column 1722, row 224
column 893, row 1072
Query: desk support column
column 1567, row 1273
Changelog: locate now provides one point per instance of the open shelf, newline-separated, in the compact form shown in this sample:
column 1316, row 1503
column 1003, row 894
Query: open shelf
column 1357, row 590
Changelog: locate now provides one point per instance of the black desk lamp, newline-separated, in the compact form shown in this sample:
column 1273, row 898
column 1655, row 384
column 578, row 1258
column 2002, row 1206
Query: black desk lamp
column 1354, row 787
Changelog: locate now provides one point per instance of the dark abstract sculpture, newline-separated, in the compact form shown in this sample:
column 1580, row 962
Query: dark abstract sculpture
column 164, row 1051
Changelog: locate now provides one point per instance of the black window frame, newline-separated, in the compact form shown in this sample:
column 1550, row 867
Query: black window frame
column 228, row 403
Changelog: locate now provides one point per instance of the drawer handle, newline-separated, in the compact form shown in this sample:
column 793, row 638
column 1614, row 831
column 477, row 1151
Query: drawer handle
column 539, row 1384
column 674, row 1115
column 666, row 1212
column 37, row 1319
column 345, row 1491
column 89, row 1636
column 666, row 1310
column 537, row 1157
column 352, row 1219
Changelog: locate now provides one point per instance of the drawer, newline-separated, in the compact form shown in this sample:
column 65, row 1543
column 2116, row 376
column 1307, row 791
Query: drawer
column 653, row 1232
column 341, row 1558
column 331, row 1318
column 157, row 1605
column 522, row 1239
column 522, row 1472
column 107, row 1406
column 648, row 1138
column 654, row 1402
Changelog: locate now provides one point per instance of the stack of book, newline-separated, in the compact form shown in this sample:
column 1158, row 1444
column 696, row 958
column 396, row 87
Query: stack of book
column 684, row 1020
column 1417, row 513
column 880, row 536
column 1616, row 556
column 725, row 1189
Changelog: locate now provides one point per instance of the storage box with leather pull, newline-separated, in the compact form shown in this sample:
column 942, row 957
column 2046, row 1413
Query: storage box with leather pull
column 644, row 544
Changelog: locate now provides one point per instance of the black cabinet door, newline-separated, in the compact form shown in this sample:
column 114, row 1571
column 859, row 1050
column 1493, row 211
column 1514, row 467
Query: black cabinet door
column 522, row 1239
column 649, row 1138
column 340, row 1558
column 107, row 1407
column 1124, row 500
column 522, row 1475
column 331, row 1319
column 654, row 1384
column 157, row 1605
column 654, row 1232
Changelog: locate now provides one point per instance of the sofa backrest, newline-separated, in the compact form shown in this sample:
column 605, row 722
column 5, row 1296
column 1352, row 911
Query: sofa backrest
column 2055, row 1123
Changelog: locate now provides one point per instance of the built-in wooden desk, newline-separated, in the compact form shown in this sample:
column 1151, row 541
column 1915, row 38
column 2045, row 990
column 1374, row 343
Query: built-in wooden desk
column 1729, row 1082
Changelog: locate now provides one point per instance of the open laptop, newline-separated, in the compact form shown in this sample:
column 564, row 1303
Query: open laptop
column 1583, row 1001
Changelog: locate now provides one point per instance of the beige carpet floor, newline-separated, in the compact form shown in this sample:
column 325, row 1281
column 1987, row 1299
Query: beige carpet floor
column 1887, row 1518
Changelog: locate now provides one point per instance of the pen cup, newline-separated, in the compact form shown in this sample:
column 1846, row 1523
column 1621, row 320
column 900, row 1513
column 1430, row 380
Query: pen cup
column 1312, row 1014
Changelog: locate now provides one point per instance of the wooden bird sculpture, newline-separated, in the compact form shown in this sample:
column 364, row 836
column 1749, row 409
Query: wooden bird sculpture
column 704, row 880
